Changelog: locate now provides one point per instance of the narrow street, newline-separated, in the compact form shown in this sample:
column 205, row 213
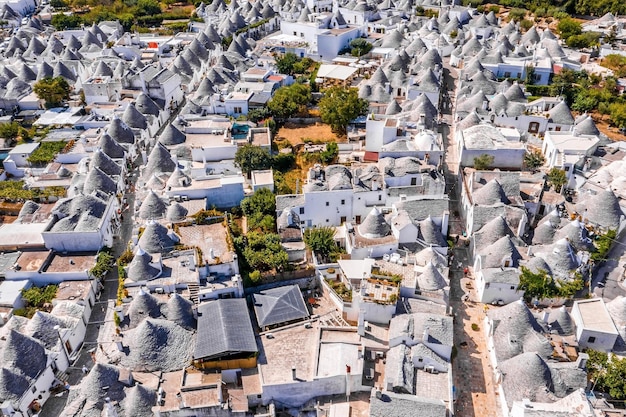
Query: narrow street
column 102, row 313
column 475, row 392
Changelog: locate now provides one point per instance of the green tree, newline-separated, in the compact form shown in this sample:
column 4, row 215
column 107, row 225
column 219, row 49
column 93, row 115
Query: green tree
column 38, row 296
column 617, row 63
column 104, row 262
column 257, row 115
column 148, row 7
column 284, row 162
column 262, row 251
column 321, row 240
column 608, row 374
column 569, row 27
column 618, row 114
column 517, row 15
column 541, row 285
column 360, row 47
column 583, row 40
column 262, row 201
column 557, row 178
column 329, row 154
column 603, row 245
column 62, row 21
column 54, row 91
column 530, row 75
column 285, row 63
column 290, row 100
column 250, row 157
column 10, row 131
column 340, row 106
column 534, row 159
column 483, row 162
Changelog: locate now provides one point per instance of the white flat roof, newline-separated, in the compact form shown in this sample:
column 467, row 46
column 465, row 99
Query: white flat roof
column 22, row 234
column 24, row 148
column 353, row 269
column 595, row 316
column 338, row 72
column 11, row 291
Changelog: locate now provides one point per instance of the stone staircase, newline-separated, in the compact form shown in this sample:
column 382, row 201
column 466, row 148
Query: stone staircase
column 194, row 290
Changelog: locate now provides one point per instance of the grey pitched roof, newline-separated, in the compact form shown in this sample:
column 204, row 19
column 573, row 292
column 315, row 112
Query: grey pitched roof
column 431, row 233
column 13, row 384
column 393, row 108
column 29, row 207
column 159, row 160
column 526, row 376
column 279, row 305
column 101, row 382
column 41, row 327
column 472, row 119
column 490, row 194
column 156, row 238
column 139, row 402
column 517, row 331
column 133, row 118
column 501, row 275
column 602, row 208
column 374, row 225
column 561, row 259
column 405, row 405
column 561, row 114
column 399, row 370
column 105, row 163
column 176, row 213
column 152, row 207
column 111, row 147
column 180, row 311
column 99, row 180
column 492, row 231
column 120, row 132
column 171, row 136
column 159, row 345
column 224, row 328
column 561, row 321
column 146, row 105
column 24, row 354
column 142, row 306
column 103, row 70
column 420, row 209
column 429, row 255
column 576, row 233
column 61, row 70
column 497, row 251
column 545, row 231
column 45, row 70
column 178, row 179
column 140, row 269
column 431, row 279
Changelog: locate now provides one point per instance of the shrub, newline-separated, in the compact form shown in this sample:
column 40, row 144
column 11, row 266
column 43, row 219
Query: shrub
column 475, row 327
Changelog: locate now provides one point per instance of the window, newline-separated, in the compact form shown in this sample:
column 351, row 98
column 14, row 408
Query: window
column 327, row 204
column 519, row 75
column 567, row 168
column 380, row 197
column 301, row 210
column 326, row 220
column 33, row 389
column 295, row 33
column 533, row 127
column 413, row 181
column 343, row 202
column 237, row 110
column 557, row 129
column 507, row 263
column 507, row 74
column 343, row 219
column 591, row 339
column 487, row 285
column 512, row 287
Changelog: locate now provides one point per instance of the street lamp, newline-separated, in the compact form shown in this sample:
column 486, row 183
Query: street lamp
column 67, row 356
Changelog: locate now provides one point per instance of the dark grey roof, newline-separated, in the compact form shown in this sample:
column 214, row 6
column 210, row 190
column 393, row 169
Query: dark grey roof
column 561, row 114
column 99, row 180
column 279, row 305
column 561, row 259
column 490, row 194
column 111, row 147
column 420, row 209
column 120, row 132
column 180, row 311
column 224, row 328
column 561, row 321
column 103, row 70
column 13, row 384
column 156, row 238
column 61, row 70
column 159, row 160
column 393, row 108
column 41, row 327
column 517, row 331
column 140, row 269
column 29, row 207
column 391, row 404
column 105, row 163
column 526, row 376
column 431, row 279
column 178, row 179
column 146, row 105
column 171, row 136
column 374, row 226
column 501, row 275
column 152, row 207
column 431, row 233
column 45, row 70
column 24, row 354
column 494, row 254
column 159, row 345
column 576, row 233
column 602, row 208
column 139, row 402
column 101, row 382
column 492, row 231
column 143, row 306
column 133, row 118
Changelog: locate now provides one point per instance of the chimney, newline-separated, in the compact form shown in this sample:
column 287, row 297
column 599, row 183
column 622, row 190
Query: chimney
column 425, row 335
column 581, row 362
column 293, row 373
column 545, row 316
